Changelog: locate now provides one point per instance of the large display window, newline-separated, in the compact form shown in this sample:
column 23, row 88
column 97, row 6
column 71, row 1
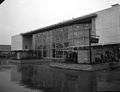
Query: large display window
column 53, row 43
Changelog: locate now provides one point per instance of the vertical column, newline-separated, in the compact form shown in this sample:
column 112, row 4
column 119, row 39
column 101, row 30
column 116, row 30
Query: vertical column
column 93, row 29
column 50, row 44
column 51, row 50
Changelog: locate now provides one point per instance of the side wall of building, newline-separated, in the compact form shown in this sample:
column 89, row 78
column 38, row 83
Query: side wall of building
column 27, row 42
column 108, row 25
column 17, row 42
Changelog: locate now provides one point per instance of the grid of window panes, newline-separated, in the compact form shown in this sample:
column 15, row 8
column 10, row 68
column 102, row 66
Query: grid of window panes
column 53, row 43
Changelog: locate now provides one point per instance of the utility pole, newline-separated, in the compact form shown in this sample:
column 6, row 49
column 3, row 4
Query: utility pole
column 90, row 45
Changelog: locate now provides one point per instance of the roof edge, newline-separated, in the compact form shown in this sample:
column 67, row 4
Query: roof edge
column 60, row 24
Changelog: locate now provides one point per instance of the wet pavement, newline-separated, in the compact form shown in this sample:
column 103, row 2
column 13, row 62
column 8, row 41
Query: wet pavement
column 42, row 78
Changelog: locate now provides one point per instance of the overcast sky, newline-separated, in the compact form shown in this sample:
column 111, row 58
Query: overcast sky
column 19, row 16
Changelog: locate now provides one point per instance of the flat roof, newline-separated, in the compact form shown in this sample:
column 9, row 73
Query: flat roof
column 62, row 24
column 5, row 47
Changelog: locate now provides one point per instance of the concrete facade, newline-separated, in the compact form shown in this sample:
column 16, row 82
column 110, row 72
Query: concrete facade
column 50, row 41
column 20, row 42
column 17, row 42
column 107, row 25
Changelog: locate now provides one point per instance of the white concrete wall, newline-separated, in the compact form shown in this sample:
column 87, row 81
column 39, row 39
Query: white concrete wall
column 107, row 25
column 17, row 42
column 20, row 42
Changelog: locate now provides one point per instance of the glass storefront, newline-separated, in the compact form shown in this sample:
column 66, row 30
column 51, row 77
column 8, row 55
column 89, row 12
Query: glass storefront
column 53, row 43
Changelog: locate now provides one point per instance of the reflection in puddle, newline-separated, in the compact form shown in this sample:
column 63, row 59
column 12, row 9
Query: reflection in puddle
column 42, row 78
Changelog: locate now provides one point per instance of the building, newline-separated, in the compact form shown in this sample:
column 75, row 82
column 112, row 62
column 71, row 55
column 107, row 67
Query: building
column 100, row 27
column 5, row 50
